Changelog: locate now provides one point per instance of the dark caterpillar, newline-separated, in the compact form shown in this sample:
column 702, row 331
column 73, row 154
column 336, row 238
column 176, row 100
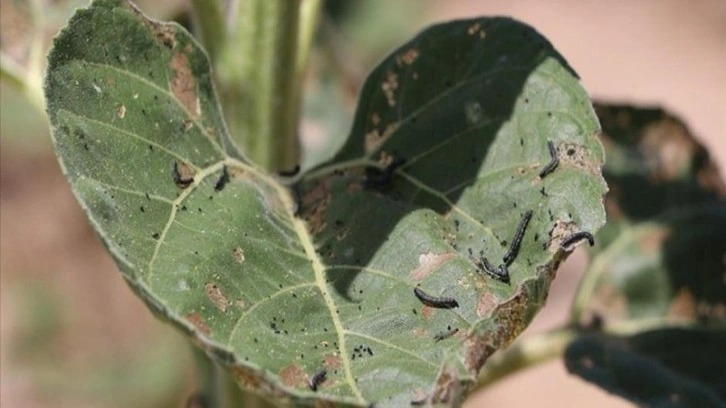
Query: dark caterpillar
column 438, row 302
column 517, row 240
column 577, row 237
column 500, row 273
column 554, row 161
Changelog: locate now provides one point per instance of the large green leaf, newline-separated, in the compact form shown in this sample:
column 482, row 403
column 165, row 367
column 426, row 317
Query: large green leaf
column 276, row 297
column 660, row 368
column 660, row 256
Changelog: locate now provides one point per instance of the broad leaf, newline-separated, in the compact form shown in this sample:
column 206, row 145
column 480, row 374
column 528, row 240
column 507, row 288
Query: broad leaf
column 660, row 256
column 216, row 248
column 660, row 368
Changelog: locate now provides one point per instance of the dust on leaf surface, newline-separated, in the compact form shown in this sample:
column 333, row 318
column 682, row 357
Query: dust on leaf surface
column 469, row 106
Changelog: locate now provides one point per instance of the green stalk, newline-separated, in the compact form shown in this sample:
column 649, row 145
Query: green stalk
column 218, row 389
column 209, row 20
column 259, row 80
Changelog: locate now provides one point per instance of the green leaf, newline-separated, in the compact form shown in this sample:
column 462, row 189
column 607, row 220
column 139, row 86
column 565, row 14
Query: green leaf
column 659, row 258
column 275, row 297
column 660, row 368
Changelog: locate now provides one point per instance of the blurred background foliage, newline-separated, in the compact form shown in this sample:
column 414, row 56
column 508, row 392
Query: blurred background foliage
column 73, row 335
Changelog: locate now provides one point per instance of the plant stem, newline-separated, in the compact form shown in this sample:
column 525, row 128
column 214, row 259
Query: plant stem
column 209, row 19
column 259, row 79
column 526, row 353
column 219, row 389
column 15, row 75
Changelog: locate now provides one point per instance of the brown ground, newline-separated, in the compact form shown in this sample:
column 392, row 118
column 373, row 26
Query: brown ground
column 68, row 321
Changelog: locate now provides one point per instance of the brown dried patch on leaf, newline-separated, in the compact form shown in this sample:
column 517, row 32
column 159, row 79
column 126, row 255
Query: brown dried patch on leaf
column 239, row 255
column 709, row 179
column 510, row 318
column 652, row 242
column 332, row 361
column 184, row 85
column 293, row 376
column 165, row 33
column 609, row 302
column 522, row 170
column 240, row 303
column 315, row 205
column 375, row 119
column 586, row 362
column 407, row 57
column 187, row 125
column 120, row 111
column 669, row 141
column 476, row 29
column 487, row 303
column 575, row 155
column 427, row 312
column 250, row 379
column 428, row 263
column 560, row 231
column 683, row 305
column 374, row 138
column 197, row 321
column 478, row 350
column 448, row 387
column 389, row 87
column 216, row 296
column 420, row 333
column 186, row 174
column 711, row 311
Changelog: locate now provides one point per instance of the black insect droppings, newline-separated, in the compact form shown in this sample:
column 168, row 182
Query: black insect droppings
column 222, row 180
column 155, row 235
column 517, row 239
column 554, row 160
column 578, row 236
column 437, row 302
column 142, row 209
column 317, row 379
column 147, row 196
